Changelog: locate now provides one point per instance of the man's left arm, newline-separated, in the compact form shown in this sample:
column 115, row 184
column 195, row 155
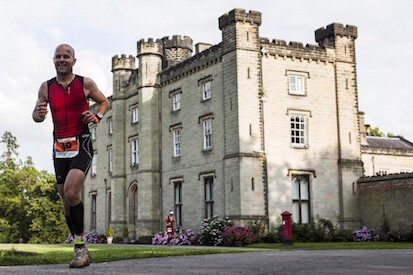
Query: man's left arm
column 93, row 92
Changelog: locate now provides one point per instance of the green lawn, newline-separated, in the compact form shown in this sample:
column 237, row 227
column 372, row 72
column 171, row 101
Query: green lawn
column 30, row 254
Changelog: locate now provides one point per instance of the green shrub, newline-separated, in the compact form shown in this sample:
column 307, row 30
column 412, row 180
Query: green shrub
column 274, row 235
column 211, row 229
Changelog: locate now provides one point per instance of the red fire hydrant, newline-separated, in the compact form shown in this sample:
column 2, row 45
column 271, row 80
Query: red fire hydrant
column 287, row 229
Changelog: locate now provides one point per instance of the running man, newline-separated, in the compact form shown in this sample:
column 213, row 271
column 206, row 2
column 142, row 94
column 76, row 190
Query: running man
column 68, row 95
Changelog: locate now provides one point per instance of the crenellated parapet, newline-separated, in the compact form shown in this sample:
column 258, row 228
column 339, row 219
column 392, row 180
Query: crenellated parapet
column 294, row 50
column 176, row 50
column 239, row 15
column 328, row 34
column 178, row 42
column 150, row 47
column 123, row 62
column 206, row 58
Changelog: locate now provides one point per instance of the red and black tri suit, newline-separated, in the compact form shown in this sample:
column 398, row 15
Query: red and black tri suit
column 67, row 106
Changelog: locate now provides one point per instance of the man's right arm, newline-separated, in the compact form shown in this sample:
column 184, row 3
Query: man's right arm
column 40, row 109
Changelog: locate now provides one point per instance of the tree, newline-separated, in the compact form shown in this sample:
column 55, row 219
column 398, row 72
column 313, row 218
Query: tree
column 30, row 207
column 8, row 157
column 375, row 132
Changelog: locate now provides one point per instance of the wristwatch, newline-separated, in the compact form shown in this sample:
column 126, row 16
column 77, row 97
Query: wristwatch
column 99, row 116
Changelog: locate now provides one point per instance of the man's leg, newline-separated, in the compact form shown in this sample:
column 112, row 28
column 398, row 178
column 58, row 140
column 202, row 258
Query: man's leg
column 66, row 209
column 72, row 187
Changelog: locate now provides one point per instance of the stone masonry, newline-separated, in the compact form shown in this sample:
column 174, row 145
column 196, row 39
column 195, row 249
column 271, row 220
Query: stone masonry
column 240, row 92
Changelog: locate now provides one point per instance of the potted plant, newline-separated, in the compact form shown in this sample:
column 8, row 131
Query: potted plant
column 125, row 234
column 110, row 235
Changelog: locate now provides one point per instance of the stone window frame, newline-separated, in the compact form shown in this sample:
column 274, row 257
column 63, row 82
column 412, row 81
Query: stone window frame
column 209, row 186
column 297, row 75
column 110, row 159
column 302, row 133
column 301, row 199
column 93, row 131
column 205, row 82
column 110, row 125
column 205, row 119
column 94, row 165
column 134, row 140
column 174, row 128
column 174, row 94
column 93, row 209
column 177, row 204
column 134, row 109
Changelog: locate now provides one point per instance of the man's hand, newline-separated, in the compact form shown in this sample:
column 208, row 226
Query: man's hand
column 88, row 116
column 40, row 112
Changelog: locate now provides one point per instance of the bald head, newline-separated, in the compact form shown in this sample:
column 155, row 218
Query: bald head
column 66, row 46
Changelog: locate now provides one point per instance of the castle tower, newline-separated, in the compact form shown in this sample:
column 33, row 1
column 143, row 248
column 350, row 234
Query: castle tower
column 176, row 50
column 150, row 56
column 342, row 41
column 122, row 68
column 244, row 157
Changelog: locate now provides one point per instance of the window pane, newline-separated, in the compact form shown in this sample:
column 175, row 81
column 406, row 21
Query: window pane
column 304, row 212
column 207, row 192
column 304, row 189
column 296, row 212
column 295, row 189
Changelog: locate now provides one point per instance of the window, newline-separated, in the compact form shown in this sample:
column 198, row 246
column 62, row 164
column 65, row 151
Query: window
column 177, row 142
column 110, row 126
column 298, row 130
column 94, row 165
column 301, row 198
column 206, row 90
column 110, row 160
column 93, row 225
column 109, row 207
column 135, row 117
column 297, row 86
column 209, row 196
column 135, row 152
column 178, row 202
column 93, row 130
column 176, row 102
column 207, row 134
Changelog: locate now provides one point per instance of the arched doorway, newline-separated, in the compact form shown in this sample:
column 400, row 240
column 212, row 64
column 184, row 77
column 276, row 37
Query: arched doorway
column 133, row 208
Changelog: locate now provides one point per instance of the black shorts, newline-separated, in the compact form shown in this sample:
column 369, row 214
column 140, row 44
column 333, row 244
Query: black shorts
column 82, row 161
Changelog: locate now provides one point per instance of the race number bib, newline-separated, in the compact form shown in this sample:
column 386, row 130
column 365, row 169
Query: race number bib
column 66, row 147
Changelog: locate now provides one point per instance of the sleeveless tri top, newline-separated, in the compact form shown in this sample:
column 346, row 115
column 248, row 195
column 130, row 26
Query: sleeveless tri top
column 67, row 107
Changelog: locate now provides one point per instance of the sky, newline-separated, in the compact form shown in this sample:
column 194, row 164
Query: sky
column 98, row 30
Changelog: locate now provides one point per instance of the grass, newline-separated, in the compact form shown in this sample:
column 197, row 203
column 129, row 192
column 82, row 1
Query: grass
column 35, row 254
column 336, row 245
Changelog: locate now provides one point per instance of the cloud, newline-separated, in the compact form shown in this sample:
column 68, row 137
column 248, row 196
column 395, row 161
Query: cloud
column 30, row 31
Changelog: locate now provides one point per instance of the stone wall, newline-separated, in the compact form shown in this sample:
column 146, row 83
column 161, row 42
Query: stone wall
column 387, row 197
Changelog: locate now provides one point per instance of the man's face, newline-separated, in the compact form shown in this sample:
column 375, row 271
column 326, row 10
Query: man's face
column 64, row 60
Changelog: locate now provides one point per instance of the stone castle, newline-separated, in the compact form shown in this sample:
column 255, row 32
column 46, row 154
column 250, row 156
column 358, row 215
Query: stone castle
column 244, row 129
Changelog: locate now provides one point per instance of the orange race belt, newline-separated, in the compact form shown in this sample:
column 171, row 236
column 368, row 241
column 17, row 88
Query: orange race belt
column 66, row 147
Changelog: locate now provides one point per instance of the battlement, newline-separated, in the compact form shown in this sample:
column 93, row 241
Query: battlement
column 177, row 42
column 197, row 62
column 150, row 47
column 123, row 62
column 239, row 15
column 291, row 45
column 333, row 30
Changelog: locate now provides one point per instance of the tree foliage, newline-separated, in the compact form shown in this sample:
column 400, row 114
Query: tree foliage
column 375, row 132
column 30, row 208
